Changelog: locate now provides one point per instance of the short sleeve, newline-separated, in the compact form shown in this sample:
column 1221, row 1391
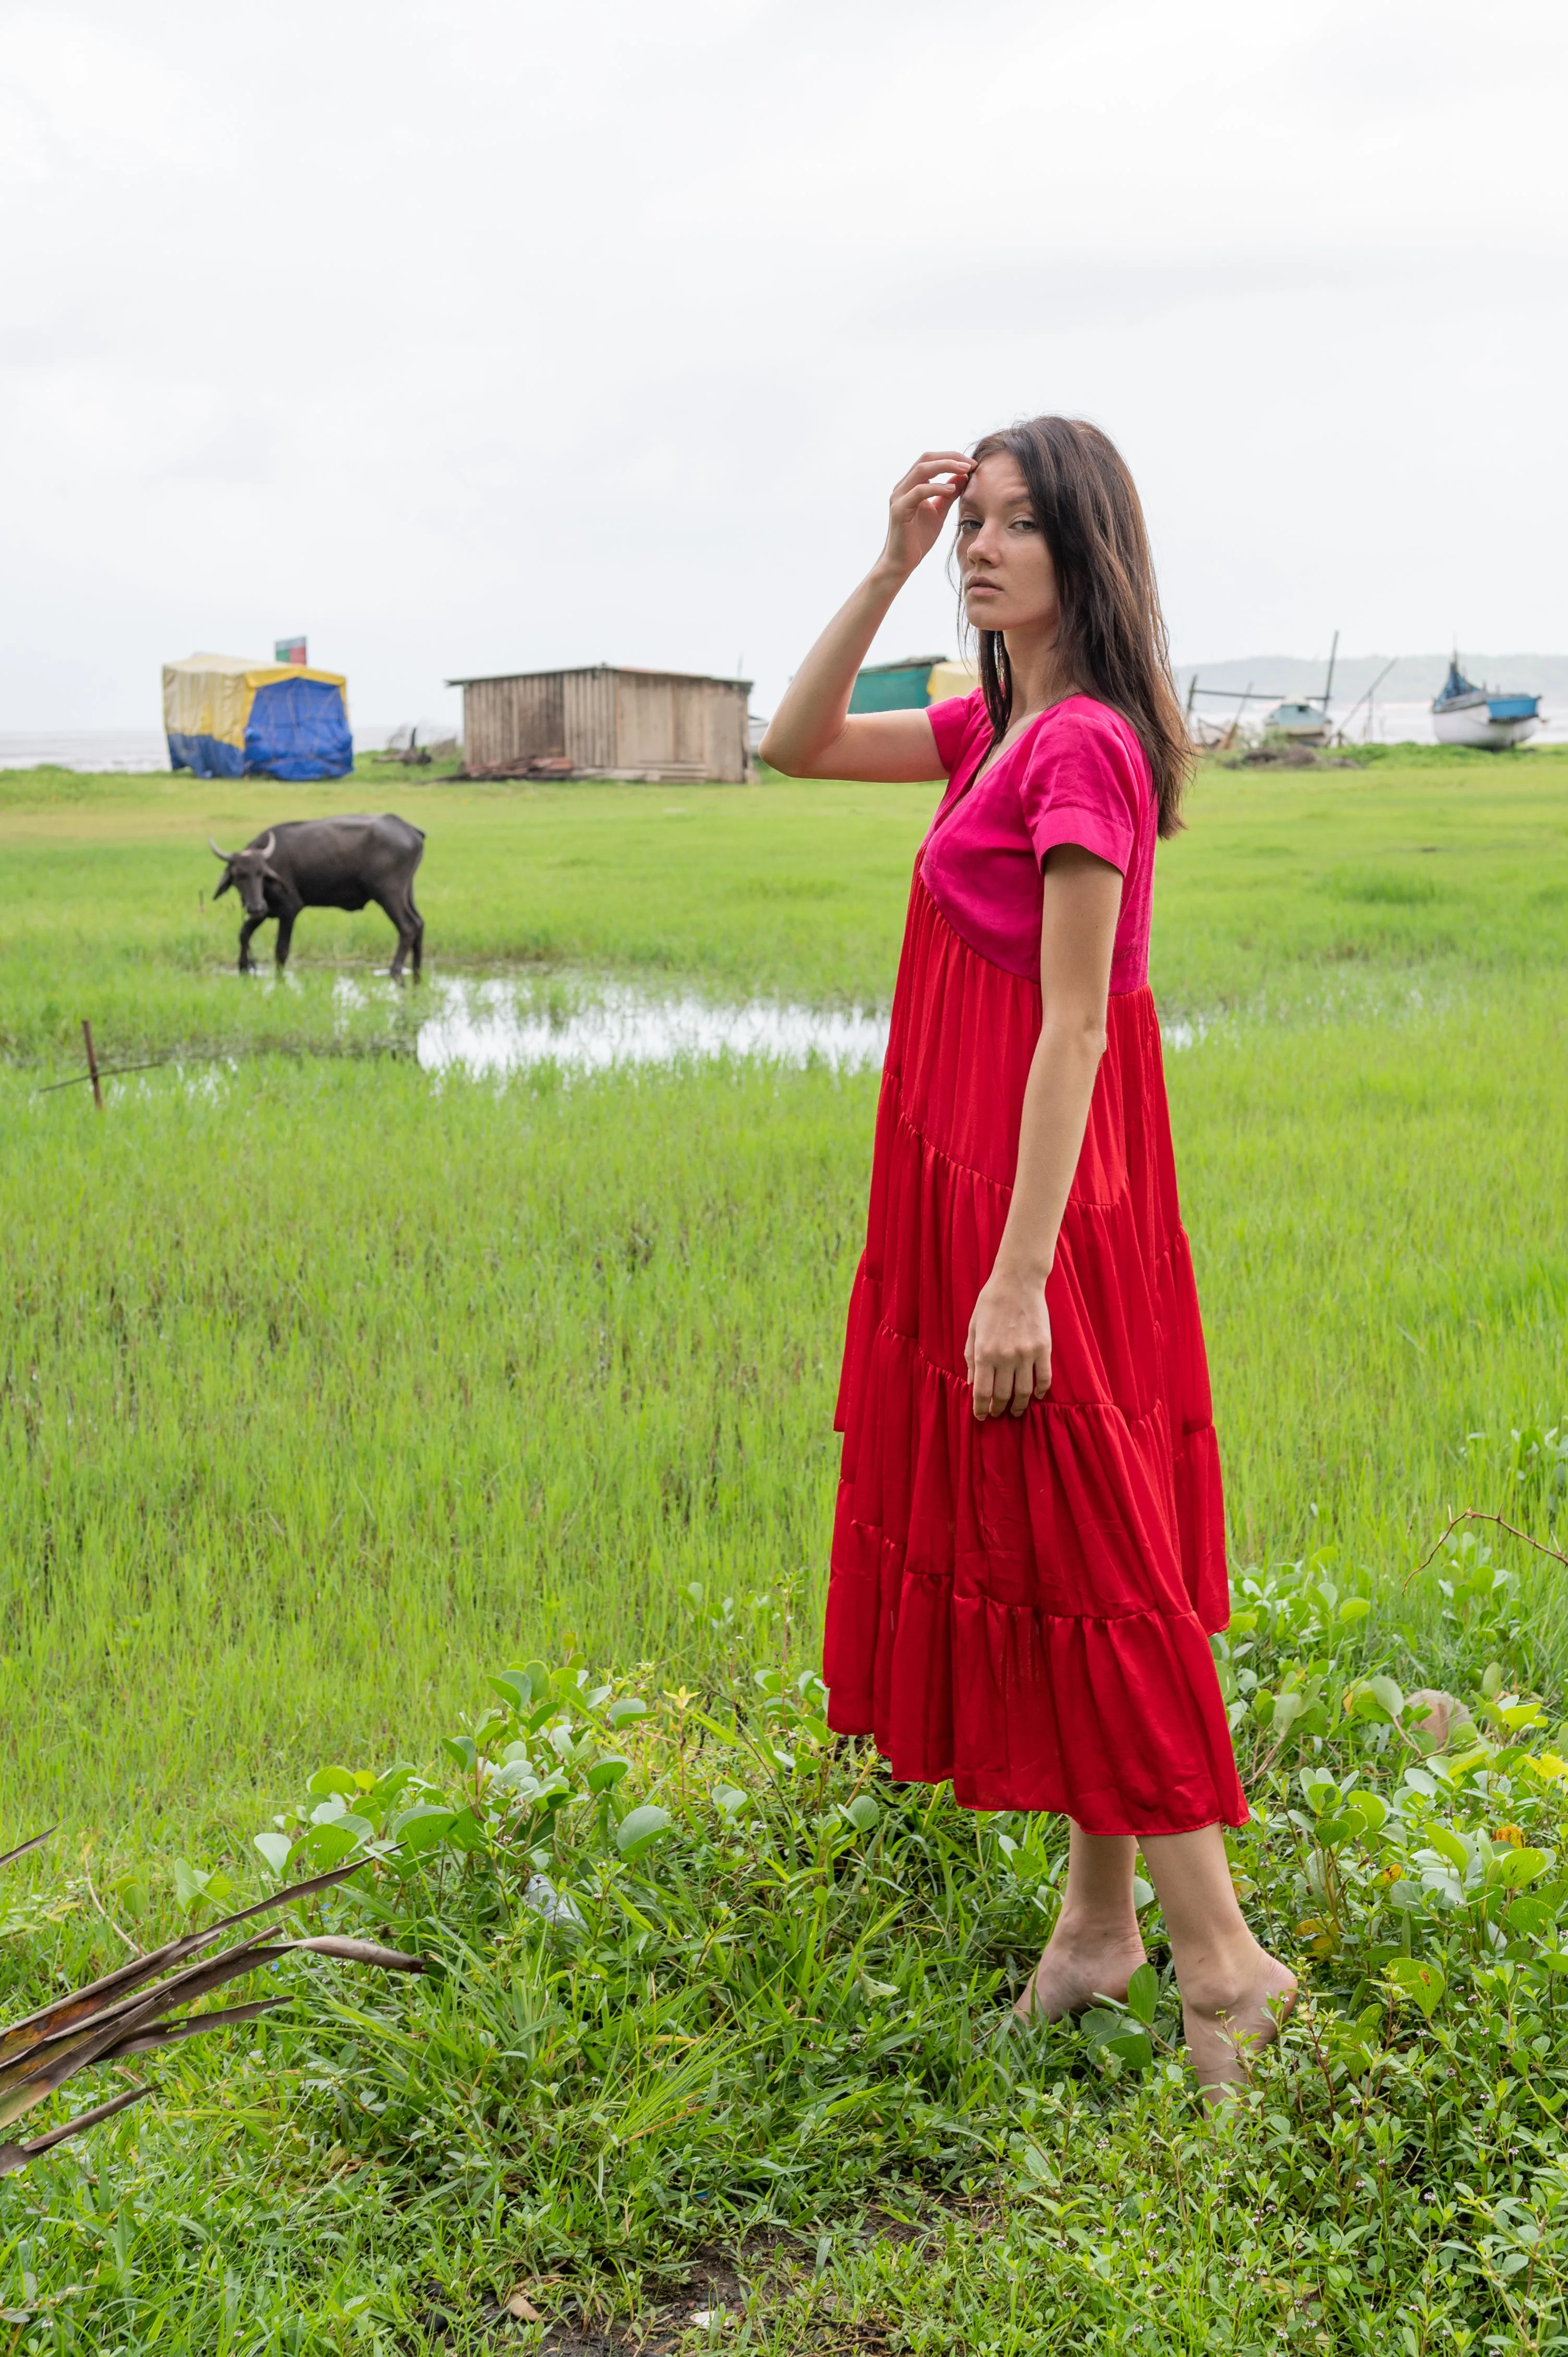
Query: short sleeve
column 1080, row 784
column 952, row 723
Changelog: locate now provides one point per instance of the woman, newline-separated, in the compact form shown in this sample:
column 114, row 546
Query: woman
column 1029, row 1544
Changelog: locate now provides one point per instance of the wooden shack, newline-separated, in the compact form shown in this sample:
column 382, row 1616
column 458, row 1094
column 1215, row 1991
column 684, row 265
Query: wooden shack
column 607, row 722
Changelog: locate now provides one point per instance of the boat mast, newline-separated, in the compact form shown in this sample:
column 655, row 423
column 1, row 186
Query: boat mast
column 1328, row 683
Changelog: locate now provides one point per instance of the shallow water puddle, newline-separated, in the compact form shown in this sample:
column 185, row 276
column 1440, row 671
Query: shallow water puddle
column 495, row 1027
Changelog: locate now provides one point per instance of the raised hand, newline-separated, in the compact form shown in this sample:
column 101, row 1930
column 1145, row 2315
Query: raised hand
column 918, row 507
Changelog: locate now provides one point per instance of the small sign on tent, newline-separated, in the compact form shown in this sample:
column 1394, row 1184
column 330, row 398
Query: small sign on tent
column 289, row 650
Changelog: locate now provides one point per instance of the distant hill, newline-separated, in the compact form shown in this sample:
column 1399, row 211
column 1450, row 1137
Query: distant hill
column 1413, row 679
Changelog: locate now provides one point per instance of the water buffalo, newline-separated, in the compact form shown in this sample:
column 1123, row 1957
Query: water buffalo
column 327, row 862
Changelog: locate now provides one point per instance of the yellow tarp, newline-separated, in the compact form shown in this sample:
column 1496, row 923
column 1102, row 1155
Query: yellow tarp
column 212, row 696
column 952, row 679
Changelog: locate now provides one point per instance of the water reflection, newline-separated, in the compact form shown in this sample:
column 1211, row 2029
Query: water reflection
column 502, row 1026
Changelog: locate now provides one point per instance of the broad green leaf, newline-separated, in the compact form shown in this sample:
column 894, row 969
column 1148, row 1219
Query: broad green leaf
column 1288, row 1707
column 1421, row 1982
column 1143, row 1994
column 512, row 1687
column 462, row 1751
column 189, row 1881
column 628, row 1707
column 466, row 1833
column 1517, row 1867
column 1366, row 1812
column 1353, row 1608
column 541, row 1683
column 332, row 1780
column 1450, row 1845
column 729, row 1798
column 421, row 1827
column 643, row 1826
column 1130, row 2046
column 608, row 1771
column 1142, row 1893
column 862, row 1812
column 330, row 1844
column 276, row 1848
column 1386, row 1693
column 1528, row 1918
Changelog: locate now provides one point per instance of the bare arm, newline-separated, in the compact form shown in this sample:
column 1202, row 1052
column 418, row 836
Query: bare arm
column 813, row 733
column 1008, row 1353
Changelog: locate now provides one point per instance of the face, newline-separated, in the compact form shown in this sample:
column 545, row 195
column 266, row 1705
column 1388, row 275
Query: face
column 1009, row 581
column 247, row 872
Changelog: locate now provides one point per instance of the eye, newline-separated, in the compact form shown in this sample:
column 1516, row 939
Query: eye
column 968, row 523
column 1024, row 523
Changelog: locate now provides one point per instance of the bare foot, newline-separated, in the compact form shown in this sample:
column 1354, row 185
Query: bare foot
column 1076, row 1967
column 1227, row 2027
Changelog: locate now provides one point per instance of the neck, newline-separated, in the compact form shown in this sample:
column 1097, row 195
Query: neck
column 1040, row 675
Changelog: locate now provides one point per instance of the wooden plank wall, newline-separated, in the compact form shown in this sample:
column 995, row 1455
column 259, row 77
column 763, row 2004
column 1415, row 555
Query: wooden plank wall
column 728, row 741
column 607, row 723
column 590, row 724
column 690, row 728
column 508, row 722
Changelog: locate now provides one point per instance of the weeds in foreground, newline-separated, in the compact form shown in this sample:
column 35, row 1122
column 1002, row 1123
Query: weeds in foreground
column 706, row 1977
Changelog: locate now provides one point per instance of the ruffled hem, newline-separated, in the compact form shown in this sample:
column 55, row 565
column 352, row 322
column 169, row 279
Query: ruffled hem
column 1021, row 1605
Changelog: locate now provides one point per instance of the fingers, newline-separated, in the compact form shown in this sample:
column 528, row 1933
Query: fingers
column 1006, row 1387
column 1034, row 1383
column 939, row 462
column 940, row 474
column 994, row 1387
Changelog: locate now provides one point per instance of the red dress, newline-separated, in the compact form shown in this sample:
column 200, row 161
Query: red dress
column 1022, row 1605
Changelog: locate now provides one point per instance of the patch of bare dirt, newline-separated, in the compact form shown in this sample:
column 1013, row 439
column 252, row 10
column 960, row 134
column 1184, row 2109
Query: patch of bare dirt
column 714, row 2285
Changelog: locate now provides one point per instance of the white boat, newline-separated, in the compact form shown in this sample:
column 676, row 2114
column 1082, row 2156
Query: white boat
column 1465, row 714
column 1304, row 723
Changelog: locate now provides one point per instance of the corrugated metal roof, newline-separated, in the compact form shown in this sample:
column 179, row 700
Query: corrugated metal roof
column 580, row 671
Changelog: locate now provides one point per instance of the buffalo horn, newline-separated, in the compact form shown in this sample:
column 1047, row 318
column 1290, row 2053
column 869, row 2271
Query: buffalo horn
column 267, row 846
column 212, row 847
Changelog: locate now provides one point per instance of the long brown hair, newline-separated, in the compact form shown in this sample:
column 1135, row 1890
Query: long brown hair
column 1112, row 641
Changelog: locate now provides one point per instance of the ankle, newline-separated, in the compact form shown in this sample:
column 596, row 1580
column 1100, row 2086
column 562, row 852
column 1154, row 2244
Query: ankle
column 1225, row 1979
column 1087, row 1927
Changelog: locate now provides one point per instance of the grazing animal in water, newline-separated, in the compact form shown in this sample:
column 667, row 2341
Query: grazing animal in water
column 327, row 862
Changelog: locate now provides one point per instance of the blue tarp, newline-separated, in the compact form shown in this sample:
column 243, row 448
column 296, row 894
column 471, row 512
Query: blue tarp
column 209, row 757
column 298, row 728
column 226, row 717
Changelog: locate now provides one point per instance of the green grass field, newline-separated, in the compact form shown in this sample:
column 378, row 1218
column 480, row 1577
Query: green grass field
column 328, row 1387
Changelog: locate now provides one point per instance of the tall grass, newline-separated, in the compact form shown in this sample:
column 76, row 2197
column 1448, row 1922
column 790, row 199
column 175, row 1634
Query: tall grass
column 323, row 1382
column 326, row 1386
column 1332, row 888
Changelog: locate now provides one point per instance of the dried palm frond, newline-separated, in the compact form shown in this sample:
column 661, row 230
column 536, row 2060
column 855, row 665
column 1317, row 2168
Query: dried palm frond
column 119, row 2015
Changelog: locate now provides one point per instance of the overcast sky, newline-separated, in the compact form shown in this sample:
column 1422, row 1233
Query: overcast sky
column 479, row 335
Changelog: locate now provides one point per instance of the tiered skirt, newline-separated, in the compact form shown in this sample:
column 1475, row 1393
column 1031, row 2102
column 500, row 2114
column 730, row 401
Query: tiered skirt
column 1022, row 1605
